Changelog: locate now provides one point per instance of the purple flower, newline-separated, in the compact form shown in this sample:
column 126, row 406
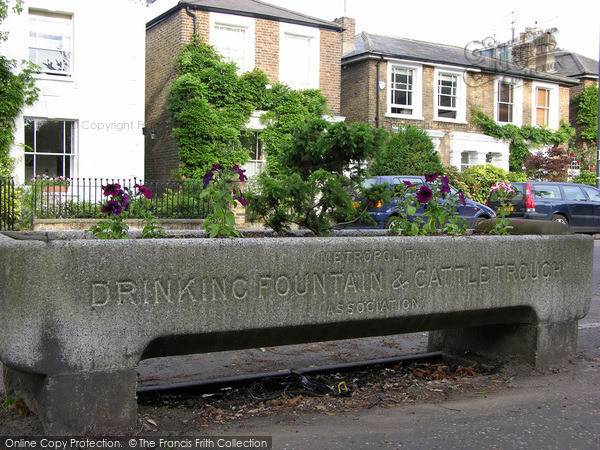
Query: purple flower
column 424, row 194
column 408, row 184
column 208, row 178
column 461, row 197
column 240, row 172
column 430, row 178
column 125, row 202
column 112, row 207
column 144, row 191
column 216, row 167
column 444, row 186
column 112, row 189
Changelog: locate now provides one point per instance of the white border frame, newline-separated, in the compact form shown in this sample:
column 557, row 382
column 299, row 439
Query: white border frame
column 461, row 94
column 553, row 114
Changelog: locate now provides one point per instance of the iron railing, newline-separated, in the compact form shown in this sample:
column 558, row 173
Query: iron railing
column 83, row 198
column 7, row 204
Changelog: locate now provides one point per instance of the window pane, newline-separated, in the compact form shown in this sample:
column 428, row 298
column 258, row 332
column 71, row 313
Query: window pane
column 49, row 136
column 594, row 194
column 574, row 193
column 49, row 165
column 541, row 117
column 546, row 191
column 50, row 37
column 296, row 70
column 447, row 113
column 543, row 98
column 504, row 112
column 231, row 43
column 29, row 134
column 505, row 92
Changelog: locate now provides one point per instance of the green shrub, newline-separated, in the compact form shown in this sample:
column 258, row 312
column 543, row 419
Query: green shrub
column 408, row 151
column 586, row 177
column 478, row 180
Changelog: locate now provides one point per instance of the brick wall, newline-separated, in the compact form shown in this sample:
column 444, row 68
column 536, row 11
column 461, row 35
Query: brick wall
column 163, row 43
column 358, row 98
column 266, row 56
column 330, row 69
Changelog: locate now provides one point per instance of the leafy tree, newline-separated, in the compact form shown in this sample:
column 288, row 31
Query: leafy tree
column 320, row 176
column 549, row 166
column 409, row 151
column 17, row 89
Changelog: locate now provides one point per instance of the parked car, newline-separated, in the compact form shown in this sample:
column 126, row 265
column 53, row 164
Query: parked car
column 575, row 205
column 384, row 214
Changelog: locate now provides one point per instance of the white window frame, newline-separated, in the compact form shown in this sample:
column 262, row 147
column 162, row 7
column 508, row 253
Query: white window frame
column 461, row 95
column 314, row 39
column 553, row 110
column 64, row 154
column 247, row 24
column 517, row 84
column 58, row 16
column 417, row 90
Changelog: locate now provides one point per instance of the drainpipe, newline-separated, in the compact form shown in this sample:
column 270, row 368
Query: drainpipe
column 193, row 16
column 377, row 93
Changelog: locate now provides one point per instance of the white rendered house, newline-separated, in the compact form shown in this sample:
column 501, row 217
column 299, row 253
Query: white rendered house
column 89, row 119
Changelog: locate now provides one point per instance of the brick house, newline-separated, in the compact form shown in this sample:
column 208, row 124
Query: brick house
column 388, row 82
column 292, row 48
column 583, row 69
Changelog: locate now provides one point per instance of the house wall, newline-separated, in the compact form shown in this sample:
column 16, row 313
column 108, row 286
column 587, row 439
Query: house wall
column 358, row 104
column 104, row 94
column 163, row 43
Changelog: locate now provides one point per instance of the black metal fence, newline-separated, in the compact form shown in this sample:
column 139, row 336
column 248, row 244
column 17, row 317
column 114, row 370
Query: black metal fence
column 83, row 198
column 7, row 204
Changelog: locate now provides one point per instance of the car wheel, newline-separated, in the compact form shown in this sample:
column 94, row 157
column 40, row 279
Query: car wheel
column 560, row 219
column 479, row 220
column 390, row 221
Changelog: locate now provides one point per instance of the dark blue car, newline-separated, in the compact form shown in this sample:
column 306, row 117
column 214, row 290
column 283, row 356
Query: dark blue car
column 384, row 214
column 575, row 205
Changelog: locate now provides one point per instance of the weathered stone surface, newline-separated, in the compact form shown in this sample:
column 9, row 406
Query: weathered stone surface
column 89, row 310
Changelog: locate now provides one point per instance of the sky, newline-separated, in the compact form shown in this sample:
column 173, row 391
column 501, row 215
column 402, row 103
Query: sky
column 463, row 21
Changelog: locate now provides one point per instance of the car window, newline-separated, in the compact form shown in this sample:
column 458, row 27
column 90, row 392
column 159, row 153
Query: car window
column 574, row 194
column 593, row 194
column 418, row 182
column 548, row 191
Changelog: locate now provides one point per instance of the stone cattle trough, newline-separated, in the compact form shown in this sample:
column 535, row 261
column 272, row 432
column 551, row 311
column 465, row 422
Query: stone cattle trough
column 78, row 315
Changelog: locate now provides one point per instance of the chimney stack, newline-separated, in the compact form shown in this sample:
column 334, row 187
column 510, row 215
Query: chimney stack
column 349, row 33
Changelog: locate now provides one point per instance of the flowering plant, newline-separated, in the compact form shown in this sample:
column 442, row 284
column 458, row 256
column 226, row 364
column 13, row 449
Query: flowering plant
column 503, row 192
column 440, row 208
column 217, row 186
column 45, row 180
column 121, row 205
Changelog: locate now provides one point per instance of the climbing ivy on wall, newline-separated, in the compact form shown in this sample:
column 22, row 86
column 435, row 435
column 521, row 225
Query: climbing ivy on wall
column 17, row 89
column 210, row 104
column 522, row 139
column 587, row 113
